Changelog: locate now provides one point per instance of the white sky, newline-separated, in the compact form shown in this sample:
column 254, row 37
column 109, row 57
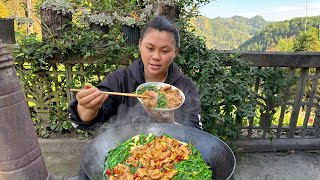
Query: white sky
column 272, row 10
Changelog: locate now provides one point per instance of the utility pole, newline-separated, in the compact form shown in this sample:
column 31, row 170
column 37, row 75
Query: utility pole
column 305, row 23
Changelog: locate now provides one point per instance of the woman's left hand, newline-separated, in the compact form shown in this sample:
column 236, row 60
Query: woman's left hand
column 161, row 117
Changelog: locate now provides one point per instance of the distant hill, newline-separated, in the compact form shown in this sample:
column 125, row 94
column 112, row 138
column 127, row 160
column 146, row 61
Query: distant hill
column 271, row 34
column 227, row 33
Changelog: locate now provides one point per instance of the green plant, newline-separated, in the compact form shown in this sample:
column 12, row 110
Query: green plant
column 100, row 19
column 61, row 6
column 271, row 92
column 225, row 89
column 133, row 14
column 45, row 90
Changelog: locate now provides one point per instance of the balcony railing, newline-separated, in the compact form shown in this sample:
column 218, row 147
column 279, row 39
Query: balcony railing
column 301, row 106
column 297, row 124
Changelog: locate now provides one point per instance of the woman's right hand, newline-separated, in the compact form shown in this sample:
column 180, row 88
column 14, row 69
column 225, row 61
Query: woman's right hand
column 90, row 99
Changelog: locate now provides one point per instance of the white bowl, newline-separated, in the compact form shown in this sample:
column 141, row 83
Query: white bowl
column 161, row 85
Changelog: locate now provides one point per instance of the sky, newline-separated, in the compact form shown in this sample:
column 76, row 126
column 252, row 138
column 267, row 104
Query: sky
column 270, row 10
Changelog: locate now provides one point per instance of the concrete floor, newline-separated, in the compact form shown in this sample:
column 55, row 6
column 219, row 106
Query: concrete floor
column 299, row 165
column 62, row 157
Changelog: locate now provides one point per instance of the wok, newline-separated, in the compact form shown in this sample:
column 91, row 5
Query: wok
column 215, row 152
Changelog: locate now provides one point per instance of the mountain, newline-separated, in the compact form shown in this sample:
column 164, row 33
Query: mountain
column 227, row 33
column 273, row 32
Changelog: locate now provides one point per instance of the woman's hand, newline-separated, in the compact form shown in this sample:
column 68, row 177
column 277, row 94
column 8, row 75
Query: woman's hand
column 161, row 117
column 90, row 99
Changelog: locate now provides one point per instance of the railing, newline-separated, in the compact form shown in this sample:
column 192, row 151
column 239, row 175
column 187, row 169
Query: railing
column 302, row 103
column 48, row 92
column 301, row 106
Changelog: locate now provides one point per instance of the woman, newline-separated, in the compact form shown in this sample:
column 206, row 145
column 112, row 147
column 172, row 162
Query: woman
column 158, row 46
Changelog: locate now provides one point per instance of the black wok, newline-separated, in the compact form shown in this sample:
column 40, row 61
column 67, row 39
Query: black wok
column 215, row 152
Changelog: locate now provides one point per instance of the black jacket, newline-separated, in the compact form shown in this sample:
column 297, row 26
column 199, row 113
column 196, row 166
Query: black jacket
column 121, row 109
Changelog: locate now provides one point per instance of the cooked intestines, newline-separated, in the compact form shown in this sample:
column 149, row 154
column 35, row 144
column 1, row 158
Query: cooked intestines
column 155, row 160
column 172, row 97
column 150, row 102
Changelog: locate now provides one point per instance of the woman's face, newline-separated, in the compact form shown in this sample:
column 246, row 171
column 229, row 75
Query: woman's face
column 158, row 49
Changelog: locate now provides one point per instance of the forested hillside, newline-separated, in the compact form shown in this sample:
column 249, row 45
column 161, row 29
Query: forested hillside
column 272, row 33
column 227, row 33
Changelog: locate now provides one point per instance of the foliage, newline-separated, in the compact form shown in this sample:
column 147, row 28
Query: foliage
column 61, row 6
column 187, row 8
column 131, row 13
column 227, row 96
column 33, row 64
column 225, row 89
column 308, row 41
column 273, row 32
column 227, row 33
column 21, row 21
column 4, row 11
column 271, row 91
column 285, row 45
column 96, row 18
column 97, row 5
column 77, row 41
column 134, row 13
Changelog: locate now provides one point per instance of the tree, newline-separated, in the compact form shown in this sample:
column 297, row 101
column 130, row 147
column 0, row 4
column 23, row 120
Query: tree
column 28, row 12
column 285, row 44
column 308, row 41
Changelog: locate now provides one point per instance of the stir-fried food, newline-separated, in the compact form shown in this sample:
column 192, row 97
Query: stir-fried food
column 151, row 157
column 164, row 97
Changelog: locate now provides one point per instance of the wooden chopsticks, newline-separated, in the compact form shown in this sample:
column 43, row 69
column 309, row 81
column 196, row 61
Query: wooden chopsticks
column 117, row 93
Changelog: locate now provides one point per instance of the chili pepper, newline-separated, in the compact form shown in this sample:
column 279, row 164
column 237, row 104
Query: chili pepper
column 108, row 172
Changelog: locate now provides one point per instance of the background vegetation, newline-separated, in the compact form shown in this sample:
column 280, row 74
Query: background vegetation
column 225, row 82
column 257, row 34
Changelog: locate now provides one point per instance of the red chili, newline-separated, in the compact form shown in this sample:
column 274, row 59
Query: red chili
column 179, row 158
column 108, row 172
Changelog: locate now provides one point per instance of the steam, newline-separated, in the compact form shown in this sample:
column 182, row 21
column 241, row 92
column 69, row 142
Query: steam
column 133, row 114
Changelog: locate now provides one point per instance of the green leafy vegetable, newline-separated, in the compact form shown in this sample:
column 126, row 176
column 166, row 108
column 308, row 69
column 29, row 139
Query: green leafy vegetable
column 150, row 87
column 161, row 100
column 194, row 168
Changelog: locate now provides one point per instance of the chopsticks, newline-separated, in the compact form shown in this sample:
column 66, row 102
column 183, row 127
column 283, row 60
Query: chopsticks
column 117, row 93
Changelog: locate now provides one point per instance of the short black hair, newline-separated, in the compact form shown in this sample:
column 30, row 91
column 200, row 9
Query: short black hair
column 161, row 23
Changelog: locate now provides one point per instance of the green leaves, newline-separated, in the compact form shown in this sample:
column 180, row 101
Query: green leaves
column 161, row 100
column 36, row 64
column 272, row 88
column 224, row 85
column 194, row 168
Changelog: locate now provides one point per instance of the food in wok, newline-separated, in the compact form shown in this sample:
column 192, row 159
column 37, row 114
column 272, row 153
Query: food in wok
column 150, row 157
column 164, row 96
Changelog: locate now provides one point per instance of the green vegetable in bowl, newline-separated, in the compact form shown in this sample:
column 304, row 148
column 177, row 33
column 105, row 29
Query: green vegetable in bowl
column 164, row 96
column 161, row 98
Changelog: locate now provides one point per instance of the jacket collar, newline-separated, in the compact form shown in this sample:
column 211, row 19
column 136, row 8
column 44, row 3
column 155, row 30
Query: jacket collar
column 137, row 70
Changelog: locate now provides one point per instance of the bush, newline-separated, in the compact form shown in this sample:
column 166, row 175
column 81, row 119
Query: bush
column 223, row 80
